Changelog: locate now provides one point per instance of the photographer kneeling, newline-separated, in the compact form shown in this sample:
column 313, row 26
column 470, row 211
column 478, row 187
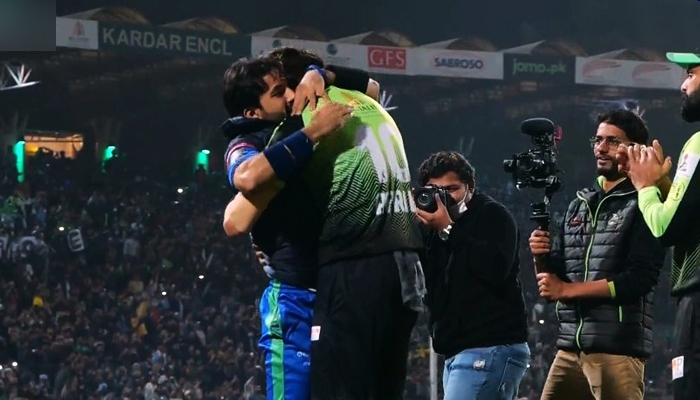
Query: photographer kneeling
column 477, row 311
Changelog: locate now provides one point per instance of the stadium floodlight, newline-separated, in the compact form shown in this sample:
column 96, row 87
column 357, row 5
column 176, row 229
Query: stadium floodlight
column 15, row 76
column 385, row 100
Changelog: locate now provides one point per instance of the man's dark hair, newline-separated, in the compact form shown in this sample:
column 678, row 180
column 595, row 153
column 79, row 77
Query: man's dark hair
column 629, row 122
column 295, row 63
column 442, row 162
column 244, row 83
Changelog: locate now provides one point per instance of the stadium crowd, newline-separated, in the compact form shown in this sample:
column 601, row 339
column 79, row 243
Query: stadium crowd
column 125, row 287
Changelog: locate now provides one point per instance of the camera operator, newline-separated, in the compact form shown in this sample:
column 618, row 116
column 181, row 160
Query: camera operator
column 478, row 317
column 601, row 272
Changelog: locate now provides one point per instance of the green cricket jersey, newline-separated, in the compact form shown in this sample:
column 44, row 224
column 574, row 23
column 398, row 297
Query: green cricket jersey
column 676, row 221
column 360, row 180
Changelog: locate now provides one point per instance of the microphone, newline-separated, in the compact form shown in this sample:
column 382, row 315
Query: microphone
column 537, row 126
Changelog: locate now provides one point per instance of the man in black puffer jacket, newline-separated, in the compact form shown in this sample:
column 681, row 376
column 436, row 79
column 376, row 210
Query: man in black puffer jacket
column 603, row 268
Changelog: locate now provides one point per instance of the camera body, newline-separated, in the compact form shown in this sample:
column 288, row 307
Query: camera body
column 534, row 168
column 425, row 198
column 537, row 167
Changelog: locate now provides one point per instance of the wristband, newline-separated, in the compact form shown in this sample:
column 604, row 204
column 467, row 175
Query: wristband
column 300, row 146
column 320, row 70
column 287, row 156
column 349, row 78
column 280, row 160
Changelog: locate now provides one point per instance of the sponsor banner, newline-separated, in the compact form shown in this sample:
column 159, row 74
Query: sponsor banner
column 394, row 60
column 174, row 41
column 384, row 59
column 341, row 54
column 76, row 33
column 456, row 63
column 627, row 73
column 377, row 59
column 538, row 68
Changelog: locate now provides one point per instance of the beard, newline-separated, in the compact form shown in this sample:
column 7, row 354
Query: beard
column 611, row 173
column 690, row 108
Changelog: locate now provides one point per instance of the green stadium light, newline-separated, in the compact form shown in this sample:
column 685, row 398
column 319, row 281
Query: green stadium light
column 202, row 159
column 108, row 153
column 19, row 156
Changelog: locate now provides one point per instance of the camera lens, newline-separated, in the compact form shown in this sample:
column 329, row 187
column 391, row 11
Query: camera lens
column 530, row 164
column 423, row 199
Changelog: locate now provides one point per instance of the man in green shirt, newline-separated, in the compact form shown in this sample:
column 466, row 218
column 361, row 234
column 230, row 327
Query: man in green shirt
column 671, row 209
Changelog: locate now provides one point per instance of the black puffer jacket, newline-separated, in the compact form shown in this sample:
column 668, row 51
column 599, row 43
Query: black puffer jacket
column 604, row 237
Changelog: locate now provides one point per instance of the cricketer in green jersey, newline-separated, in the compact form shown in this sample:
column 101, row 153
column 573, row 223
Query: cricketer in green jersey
column 370, row 276
column 671, row 209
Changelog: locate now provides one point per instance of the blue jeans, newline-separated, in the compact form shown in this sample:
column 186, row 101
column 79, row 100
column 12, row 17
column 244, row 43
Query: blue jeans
column 489, row 373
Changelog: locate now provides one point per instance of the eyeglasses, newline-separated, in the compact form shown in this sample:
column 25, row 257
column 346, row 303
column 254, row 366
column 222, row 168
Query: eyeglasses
column 612, row 142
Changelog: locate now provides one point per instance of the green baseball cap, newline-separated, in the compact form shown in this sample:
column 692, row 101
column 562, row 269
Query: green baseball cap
column 684, row 60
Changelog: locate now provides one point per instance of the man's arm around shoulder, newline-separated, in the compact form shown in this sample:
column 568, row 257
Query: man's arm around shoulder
column 288, row 157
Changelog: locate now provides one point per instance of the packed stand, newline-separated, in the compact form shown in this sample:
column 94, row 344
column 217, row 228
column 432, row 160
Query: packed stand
column 125, row 289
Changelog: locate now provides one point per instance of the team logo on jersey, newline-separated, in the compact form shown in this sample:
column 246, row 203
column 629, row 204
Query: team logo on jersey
column 357, row 104
column 352, row 101
column 677, row 190
column 687, row 166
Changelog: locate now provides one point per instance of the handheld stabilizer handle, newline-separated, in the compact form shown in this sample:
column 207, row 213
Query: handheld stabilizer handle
column 540, row 214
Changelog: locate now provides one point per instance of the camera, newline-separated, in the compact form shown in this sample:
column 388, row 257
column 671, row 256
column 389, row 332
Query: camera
column 425, row 198
column 536, row 168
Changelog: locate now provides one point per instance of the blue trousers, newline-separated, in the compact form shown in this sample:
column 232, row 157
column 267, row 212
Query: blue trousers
column 489, row 373
column 286, row 313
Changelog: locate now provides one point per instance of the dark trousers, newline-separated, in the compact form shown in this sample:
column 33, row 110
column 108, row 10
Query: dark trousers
column 361, row 331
